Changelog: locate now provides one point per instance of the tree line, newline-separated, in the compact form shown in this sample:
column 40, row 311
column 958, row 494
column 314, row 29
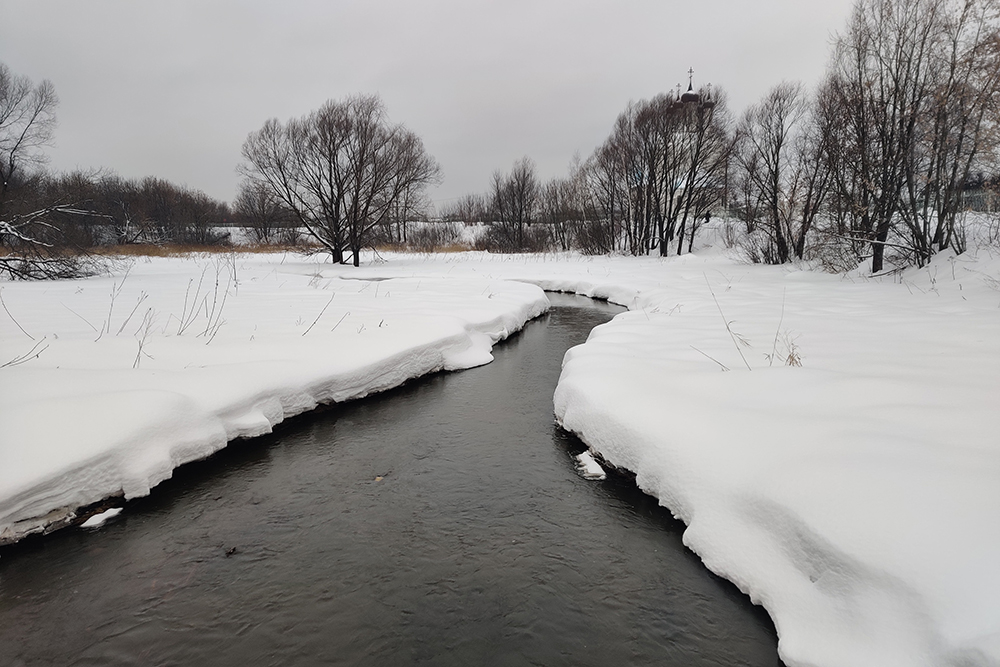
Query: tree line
column 878, row 160
column 344, row 174
column 877, row 163
column 48, row 221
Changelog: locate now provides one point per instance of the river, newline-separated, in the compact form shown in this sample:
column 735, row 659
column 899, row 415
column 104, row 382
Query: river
column 440, row 523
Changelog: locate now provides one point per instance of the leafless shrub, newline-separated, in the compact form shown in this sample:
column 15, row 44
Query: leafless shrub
column 594, row 237
column 433, row 236
column 198, row 303
column 502, row 238
column 262, row 214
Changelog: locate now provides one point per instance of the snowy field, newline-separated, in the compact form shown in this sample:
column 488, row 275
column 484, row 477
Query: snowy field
column 832, row 442
column 130, row 375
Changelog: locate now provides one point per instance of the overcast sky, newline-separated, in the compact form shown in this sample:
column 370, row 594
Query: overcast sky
column 172, row 89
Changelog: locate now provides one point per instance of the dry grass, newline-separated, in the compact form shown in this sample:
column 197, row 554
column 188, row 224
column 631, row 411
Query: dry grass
column 183, row 250
column 187, row 249
column 455, row 247
column 794, row 357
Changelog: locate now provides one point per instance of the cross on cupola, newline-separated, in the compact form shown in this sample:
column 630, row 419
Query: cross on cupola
column 690, row 95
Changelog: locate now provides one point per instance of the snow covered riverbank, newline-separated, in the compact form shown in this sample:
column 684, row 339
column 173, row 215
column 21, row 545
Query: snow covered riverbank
column 855, row 495
column 167, row 361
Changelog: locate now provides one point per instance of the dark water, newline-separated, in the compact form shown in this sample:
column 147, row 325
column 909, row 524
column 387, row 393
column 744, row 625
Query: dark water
column 478, row 545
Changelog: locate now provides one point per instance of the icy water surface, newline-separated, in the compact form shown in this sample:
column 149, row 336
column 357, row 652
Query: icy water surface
column 440, row 523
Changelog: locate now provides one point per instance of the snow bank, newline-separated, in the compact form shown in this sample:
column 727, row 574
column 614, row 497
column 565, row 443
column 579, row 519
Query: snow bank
column 856, row 496
column 168, row 360
column 832, row 442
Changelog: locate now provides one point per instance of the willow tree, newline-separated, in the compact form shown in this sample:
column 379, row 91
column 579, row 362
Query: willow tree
column 514, row 202
column 341, row 170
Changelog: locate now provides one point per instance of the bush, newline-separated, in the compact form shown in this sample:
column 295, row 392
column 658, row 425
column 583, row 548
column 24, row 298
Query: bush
column 432, row 236
column 594, row 237
column 503, row 238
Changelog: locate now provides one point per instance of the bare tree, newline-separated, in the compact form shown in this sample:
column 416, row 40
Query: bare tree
column 27, row 122
column 957, row 129
column 630, row 174
column 706, row 154
column 28, row 237
column 912, row 92
column 120, row 199
column 412, row 205
column 662, row 170
column 340, row 170
column 883, row 77
column 261, row 212
column 468, row 209
column 559, row 209
column 780, row 173
column 514, row 200
column 606, row 174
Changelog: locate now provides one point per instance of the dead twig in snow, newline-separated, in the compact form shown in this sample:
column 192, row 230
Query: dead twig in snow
column 145, row 327
column 340, row 320
column 320, row 315
column 774, row 346
column 116, row 289
column 142, row 297
column 78, row 315
column 214, row 316
column 737, row 339
column 721, row 365
column 187, row 318
column 18, row 324
column 794, row 357
column 27, row 356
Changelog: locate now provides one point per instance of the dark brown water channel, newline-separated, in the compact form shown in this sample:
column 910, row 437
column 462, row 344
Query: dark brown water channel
column 440, row 523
